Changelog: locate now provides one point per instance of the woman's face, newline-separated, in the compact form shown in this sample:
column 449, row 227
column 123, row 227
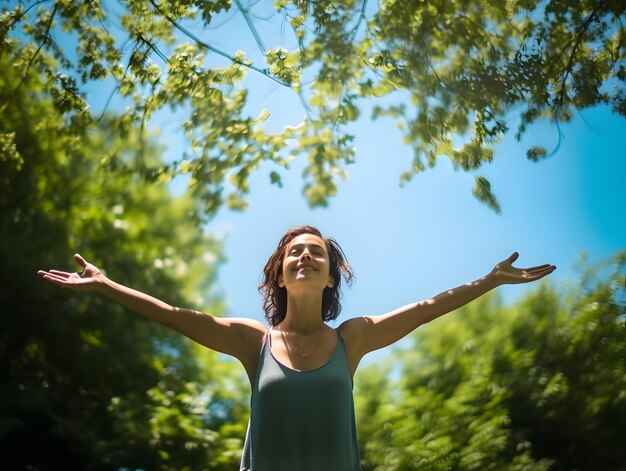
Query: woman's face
column 306, row 264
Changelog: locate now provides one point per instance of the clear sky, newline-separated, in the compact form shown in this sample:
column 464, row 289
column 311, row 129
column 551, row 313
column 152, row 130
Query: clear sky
column 407, row 244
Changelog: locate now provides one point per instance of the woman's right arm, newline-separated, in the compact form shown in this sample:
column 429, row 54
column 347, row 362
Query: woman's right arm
column 239, row 337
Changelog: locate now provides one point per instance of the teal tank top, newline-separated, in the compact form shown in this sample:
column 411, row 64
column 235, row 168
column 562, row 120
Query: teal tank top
column 302, row 420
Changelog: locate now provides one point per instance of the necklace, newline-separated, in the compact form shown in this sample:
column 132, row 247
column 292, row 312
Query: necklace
column 303, row 352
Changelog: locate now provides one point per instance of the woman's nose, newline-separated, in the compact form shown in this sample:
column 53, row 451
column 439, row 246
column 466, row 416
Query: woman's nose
column 305, row 253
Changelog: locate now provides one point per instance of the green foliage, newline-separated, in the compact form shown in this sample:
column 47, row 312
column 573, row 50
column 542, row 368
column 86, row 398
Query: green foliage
column 453, row 74
column 535, row 386
column 84, row 384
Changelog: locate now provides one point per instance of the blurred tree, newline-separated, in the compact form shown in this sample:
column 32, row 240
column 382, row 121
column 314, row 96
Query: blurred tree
column 535, row 386
column 453, row 74
column 84, row 384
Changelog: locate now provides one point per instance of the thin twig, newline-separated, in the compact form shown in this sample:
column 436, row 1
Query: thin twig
column 154, row 49
column 32, row 59
column 253, row 30
column 117, row 87
column 570, row 62
column 215, row 50
column 355, row 29
column 19, row 17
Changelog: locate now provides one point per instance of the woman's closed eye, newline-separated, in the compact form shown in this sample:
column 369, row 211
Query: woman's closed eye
column 317, row 252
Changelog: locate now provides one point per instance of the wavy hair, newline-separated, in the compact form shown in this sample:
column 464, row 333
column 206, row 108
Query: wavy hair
column 275, row 297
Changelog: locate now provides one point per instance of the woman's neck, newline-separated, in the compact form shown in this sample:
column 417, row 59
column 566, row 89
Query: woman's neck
column 304, row 315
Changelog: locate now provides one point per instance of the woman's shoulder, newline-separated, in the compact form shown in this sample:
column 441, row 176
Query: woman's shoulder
column 353, row 327
column 248, row 323
column 251, row 329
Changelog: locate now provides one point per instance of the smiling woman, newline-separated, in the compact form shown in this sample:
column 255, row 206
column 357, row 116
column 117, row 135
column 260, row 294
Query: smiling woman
column 300, row 369
column 275, row 297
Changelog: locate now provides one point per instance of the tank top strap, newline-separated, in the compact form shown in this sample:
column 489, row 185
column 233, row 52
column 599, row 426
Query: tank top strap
column 340, row 337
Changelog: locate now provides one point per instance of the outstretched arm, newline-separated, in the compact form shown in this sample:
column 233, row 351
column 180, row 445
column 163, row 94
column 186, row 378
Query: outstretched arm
column 230, row 336
column 374, row 332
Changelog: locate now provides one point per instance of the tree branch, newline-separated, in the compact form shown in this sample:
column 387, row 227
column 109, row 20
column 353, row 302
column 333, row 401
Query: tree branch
column 215, row 50
column 19, row 17
column 253, row 30
column 32, row 59
column 355, row 29
column 570, row 62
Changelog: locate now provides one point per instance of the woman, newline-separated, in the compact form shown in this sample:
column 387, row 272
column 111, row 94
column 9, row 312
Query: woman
column 300, row 369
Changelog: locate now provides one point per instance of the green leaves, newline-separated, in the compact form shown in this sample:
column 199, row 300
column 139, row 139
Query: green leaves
column 9, row 155
column 444, row 70
column 482, row 192
column 87, row 385
column 284, row 66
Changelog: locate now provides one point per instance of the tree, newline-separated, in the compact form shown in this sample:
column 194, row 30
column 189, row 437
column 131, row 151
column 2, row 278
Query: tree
column 534, row 386
column 84, row 384
column 454, row 74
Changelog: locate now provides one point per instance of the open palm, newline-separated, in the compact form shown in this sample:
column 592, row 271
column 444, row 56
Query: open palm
column 88, row 279
column 506, row 273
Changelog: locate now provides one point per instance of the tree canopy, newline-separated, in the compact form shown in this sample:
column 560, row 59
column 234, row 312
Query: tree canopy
column 84, row 384
column 456, row 75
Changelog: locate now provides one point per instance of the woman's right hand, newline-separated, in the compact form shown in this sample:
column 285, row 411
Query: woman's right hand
column 88, row 280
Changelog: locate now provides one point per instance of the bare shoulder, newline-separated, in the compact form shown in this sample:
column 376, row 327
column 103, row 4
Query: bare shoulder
column 353, row 328
column 251, row 331
column 247, row 324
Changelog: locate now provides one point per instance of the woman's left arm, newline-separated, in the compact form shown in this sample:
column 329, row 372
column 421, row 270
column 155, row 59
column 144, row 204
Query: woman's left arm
column 374, row 332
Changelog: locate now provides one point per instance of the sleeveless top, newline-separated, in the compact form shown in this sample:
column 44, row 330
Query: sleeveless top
column 301, row 420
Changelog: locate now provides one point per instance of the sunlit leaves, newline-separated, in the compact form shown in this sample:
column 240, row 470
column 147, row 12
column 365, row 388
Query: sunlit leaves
column 482, row 191
column 8, row 151
column 536, row 153
column 283, row 65
column 473, row 58
column 444, row 70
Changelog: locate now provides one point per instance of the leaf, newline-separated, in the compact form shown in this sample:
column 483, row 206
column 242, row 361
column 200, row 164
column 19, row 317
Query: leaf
column 482, row 192
column 275, row 179
column 536, row 153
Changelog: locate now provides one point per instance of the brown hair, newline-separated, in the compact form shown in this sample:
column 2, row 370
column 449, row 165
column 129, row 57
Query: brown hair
column 275, row 297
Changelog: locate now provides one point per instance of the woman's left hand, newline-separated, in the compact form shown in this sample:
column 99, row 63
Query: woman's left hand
column 505, row 273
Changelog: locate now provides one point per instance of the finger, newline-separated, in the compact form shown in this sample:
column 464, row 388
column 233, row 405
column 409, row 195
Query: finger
column 513, row 257
column 538, row 267
column 60, row 273
column 80, row 260
column 56, row 280
column 55, row 273
column 541, row 273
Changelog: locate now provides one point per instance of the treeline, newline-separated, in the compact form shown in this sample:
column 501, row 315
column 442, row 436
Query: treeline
column 85, row 385
column 538, row 385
